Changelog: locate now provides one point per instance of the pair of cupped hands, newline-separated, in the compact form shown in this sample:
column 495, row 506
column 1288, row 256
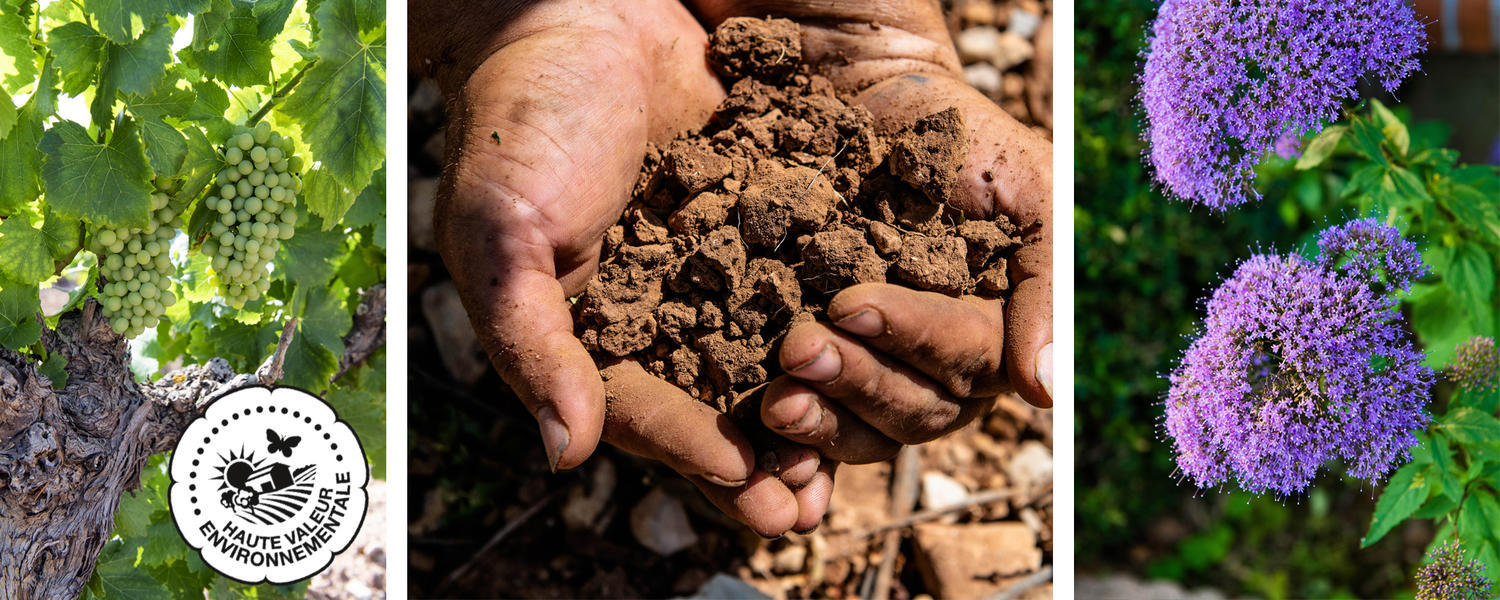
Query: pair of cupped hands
column 552, row 104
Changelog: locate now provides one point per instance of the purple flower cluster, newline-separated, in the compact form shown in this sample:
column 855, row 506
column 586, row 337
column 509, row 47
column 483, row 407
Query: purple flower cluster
column 1301, row 362
column 1450, row 577
column 1476, row 364
column 1225, row 80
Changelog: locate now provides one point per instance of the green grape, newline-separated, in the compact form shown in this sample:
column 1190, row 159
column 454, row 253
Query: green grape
column 245, row 167
column 257, row 177
column 262, row 192
column 243, row 189
column 258, row 154
column 262, row 132
column 245, row 141
column 234, row 155
column 275, row 155
column 257, row 209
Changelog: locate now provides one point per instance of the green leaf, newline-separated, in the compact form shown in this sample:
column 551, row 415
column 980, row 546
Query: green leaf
column 27, row 258
column 113, row 17
column 165, row 145
column 20, row 165
column 326, row 197
column 139, row 65
column 1409, row 186
column 1363, row 179
column 121, row 579
column 325, row 320
column 1403, row 494
column 78, row 49
column 1444, row 470
column 306, row 259
column 64, row 236
column 308, row 365
column 1472, row 521
column 1469, row 426
column 209, row 102
column 340, row 103
column 365, row 412
column 17, row 59
column 19, row 305
column 134, row 515
column 1484, row 400
column 8, row 114
column 1367, row 137
column 163, row 543
column 1472, row 276
column 105, row 184
column 56, row 369
column 369, row 207
column 227, row 45
column 272, row 15
column 1440, row 322
column 1321, row 147
column 1394, row 130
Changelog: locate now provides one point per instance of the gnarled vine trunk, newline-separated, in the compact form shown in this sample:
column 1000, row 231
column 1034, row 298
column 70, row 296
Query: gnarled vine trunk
column 67, row 456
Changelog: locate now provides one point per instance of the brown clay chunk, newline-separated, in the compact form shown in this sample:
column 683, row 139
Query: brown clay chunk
column 936, row 264
column 840, row 258
column 741, row 230
column 704, row 213
column 928, row 155
column 886, row 239
column 695, row 165
column 768, row 49
column 779, row 201
column 984, row 240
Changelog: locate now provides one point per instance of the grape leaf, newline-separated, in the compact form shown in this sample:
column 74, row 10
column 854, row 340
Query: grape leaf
column 106, row 184
column 19, row 305
column 114, row 16
column 27, row 257
column 308, row 365
column 20, row 164
column 78, row 49
column 340, row 103
column 1469, row 426
column 119, row 578
column 139, row 65
column 163, row 542
column 17, row 59
column 369, row 207
column 8, row 114
column 1403, row 494
column 64, row 235
column 325, row 319
column 271, row 16
column 165, row 145
column 365, row 412
column 326, row 197
column 134, row 515
column 306, row 258
column 209, row 102
column 56, row 370
column 227, row 45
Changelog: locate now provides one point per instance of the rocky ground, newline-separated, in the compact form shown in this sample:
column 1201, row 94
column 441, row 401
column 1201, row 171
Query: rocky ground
column 359, row 572
column 966, row 516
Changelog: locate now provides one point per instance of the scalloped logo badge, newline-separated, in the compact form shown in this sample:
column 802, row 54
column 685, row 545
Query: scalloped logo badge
column 268, row 485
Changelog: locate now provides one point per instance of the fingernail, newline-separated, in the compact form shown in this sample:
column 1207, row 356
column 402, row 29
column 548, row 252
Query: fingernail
column 822, row 368
column 554, row 435
column 716, row 480
column 809, row 421
column 1044, row 368
column 868, row 323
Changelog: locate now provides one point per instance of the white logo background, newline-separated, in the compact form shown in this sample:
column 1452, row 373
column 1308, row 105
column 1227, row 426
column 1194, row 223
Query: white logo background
column 268, row 485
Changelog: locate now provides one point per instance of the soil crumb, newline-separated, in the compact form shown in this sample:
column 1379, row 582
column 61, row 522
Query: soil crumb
column 740, row 230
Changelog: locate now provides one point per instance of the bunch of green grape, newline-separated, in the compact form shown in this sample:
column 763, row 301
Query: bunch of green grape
column 136, row 266
column 254, row 200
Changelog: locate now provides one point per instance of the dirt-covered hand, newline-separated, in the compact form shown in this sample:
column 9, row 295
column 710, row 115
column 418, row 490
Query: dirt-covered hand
column 896, row 366
column 551, row 106
column 897, row 59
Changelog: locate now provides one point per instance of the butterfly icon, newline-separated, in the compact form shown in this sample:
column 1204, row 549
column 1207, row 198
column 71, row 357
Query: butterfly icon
column 282, row 445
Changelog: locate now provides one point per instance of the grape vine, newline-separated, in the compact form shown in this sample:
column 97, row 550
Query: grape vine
column 149, row 178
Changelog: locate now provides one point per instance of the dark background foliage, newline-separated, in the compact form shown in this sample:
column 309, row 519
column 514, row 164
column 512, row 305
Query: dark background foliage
column 1144, row 266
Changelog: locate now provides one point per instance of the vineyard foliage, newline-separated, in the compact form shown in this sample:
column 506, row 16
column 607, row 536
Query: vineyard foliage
column 114, row 119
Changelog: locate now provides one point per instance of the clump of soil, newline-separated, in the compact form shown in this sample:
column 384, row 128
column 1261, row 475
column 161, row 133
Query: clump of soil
column 740, row 230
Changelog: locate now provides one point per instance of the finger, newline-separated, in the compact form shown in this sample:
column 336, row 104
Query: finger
column 956, row 342
column 651, row 418
column 764, row 503
column 522, row 320
column 800, row 414
column 1028, row 333
column 794, row 464
column 812, row 499
column 896, row 399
